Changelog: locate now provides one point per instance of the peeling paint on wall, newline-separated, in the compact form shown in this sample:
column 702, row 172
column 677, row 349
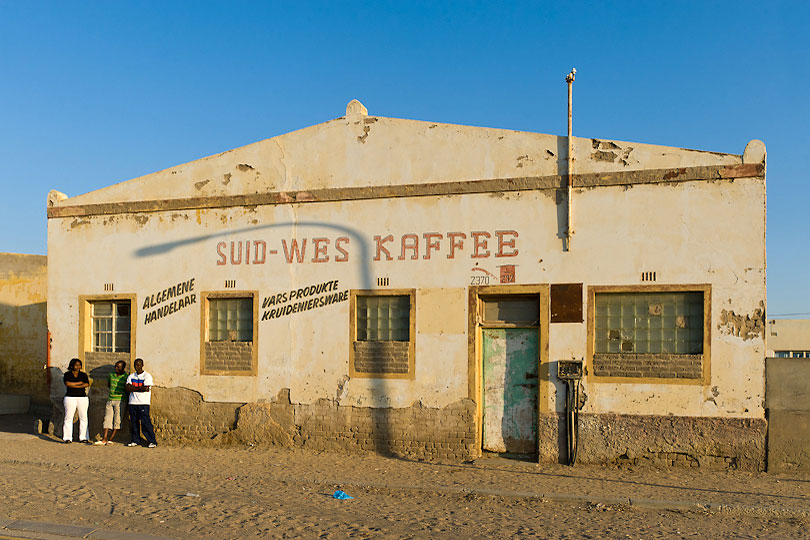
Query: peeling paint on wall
column 362, row 138
column 78, row 222
column 600, row 155
column 604, row 145
column 746, row 327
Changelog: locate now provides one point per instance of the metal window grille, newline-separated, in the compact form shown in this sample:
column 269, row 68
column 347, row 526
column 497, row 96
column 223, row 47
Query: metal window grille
column 649, row 323
column 230, row 319
column 383, row 318
column 111, row 326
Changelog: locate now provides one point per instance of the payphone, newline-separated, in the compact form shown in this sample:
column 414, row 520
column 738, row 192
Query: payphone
column 570, row 371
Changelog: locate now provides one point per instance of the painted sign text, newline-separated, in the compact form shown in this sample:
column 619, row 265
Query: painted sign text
column 182, row 293
column 406, row 247
column 302, row 299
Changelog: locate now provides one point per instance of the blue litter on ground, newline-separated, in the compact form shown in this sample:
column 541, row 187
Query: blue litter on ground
column 342, row 495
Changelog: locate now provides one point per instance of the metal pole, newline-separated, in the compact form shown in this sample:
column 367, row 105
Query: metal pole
column 570, row 172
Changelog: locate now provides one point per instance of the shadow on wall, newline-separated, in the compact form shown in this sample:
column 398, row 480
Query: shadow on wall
column 556, row 426
column 561, row 195
column 98, row 393
column 381, row 417
column 24, row 351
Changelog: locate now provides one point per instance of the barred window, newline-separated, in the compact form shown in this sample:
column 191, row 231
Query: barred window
column 230, row 319
column 649, row 323
column 383, row 318
column 111, row 322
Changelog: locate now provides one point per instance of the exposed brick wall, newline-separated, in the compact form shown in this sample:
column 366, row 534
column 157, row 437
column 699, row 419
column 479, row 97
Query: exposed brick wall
column 680, row 441
column 93, row 360
column 180, row 415
column 229, row 355
column 665, row 366
column 413, row 432
column 381, row 356
column 100, row 364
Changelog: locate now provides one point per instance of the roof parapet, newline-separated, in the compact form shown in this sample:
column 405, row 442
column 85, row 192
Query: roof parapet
column 754, row 152
column 355, row 109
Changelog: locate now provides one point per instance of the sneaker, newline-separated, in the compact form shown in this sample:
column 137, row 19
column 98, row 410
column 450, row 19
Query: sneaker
column 133, row 444
column 152, row 445
column 67, row 442
column 99, row 443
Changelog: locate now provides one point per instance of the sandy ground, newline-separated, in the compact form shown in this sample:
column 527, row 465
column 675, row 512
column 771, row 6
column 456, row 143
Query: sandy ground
column 186, row 492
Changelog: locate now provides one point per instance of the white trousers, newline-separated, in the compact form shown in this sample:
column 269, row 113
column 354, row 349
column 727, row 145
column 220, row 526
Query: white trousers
column 72, row 406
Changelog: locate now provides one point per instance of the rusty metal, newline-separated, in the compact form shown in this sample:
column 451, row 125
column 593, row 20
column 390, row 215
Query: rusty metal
column 566, row 302
column 569, row 228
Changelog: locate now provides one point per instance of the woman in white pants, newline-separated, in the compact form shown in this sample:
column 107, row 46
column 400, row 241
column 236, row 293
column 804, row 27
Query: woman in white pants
column 76, row 400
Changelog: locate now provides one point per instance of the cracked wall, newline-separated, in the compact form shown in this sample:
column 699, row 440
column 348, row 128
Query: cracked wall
column 747, row 327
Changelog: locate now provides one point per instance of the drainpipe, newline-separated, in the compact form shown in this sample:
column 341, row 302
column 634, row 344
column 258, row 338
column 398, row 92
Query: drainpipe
column 569, row 229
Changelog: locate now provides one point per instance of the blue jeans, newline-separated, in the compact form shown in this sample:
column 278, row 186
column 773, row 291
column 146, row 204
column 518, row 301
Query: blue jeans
column 139, row 420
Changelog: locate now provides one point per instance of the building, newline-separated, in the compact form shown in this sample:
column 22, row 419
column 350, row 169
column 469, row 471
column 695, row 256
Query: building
column 787, row 372
column 409, row 287
column 23, row 333
column 789, row 338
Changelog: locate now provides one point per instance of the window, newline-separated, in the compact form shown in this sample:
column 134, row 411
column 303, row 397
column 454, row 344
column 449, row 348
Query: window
column 383, row 318
column 517, row 310
column 230, row 319
column 229, row 333
column 792, row 354
column 669, row 323
column 106, row 331
column 650, row 332
column 382, row 334
column 111, row 326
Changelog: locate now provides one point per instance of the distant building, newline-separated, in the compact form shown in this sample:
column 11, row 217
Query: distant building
column 401, row 286
column 788, row 394
column 789, row 338
column 23, row 332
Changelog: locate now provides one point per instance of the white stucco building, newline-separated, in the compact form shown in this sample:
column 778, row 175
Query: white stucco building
column 408, row 287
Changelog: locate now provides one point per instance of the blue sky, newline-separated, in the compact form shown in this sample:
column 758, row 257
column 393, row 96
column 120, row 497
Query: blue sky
column 94, row 93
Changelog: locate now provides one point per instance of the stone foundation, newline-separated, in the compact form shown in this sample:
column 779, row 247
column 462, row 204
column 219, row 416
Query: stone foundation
column 181, row 416
column 680, row 441
column 415, row 432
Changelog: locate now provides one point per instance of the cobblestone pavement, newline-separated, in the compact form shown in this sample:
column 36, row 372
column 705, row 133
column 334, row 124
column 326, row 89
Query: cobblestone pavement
column 185, row 492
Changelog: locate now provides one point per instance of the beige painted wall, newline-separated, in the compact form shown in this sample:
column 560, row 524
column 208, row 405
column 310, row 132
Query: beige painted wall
column 700, row 232
column 354, row 151
column 788, row 335
column 23, row 328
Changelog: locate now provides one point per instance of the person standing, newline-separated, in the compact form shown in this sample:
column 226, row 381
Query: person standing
column 117, row 381
column 139, row 386
column 76, row 382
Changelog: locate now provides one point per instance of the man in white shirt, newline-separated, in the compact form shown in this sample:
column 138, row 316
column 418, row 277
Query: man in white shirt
column 139, row 385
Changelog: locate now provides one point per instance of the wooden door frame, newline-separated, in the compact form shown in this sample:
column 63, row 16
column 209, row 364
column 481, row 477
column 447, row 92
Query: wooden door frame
column 475, row 376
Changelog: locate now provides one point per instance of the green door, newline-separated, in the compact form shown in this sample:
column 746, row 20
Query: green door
column 510, row 390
